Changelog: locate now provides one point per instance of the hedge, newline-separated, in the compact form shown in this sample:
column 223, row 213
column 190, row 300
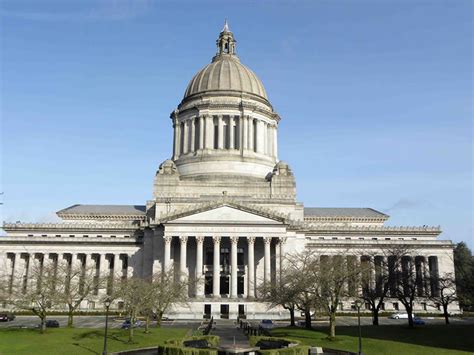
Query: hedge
column 176, row 347
column 294, row 350
column 213, row 340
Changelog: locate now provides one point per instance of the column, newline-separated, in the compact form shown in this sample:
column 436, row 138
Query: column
column 234, row 269
column 265, row 138
column 216, row 267
column 130, row 270
column 282, row 255
column 220, row 134
column 245, row 132
column 199, row 262
column 19, row 272
column 10, row 269
column 186, row 137
column 426, row 277
column 267, row 241
column 260, row 137
column 167, row 255
column 275, row 141
column 251, row 142
column 182, row 257
column 117, row 270
column 372, row 272
column 176, row 139
column 192, row 129
column 201, row 132
column 251, row 267
column 35, row 271
column 231, row 132
column 104, row 272
column 209, row 141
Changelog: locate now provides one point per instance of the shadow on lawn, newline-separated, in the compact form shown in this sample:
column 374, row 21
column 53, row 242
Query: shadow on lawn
column 454, row 337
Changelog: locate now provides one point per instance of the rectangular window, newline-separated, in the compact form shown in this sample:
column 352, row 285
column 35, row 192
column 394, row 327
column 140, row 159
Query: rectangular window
column 207, row 311
column 423, row 306
column 216, row 136
column 395, row 306
column 209, row 256
column 240, row 256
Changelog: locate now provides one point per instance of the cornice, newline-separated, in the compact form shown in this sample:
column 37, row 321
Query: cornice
column 12, row 227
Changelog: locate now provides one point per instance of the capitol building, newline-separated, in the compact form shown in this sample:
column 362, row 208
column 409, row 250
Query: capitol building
column 223, row 211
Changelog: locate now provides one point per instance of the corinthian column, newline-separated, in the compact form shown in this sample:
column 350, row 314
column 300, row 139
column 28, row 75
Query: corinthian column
column 220, row 134
column 267, row 275
column 234, row 270
column 231, row 132
column 199, row 278
column 167, row 256
column 251, row 267
column 182, row 257
column 251, row 140
column 216, row 267
column 209, row 141
column 192, row 124
column 201, row 132
column 260, row 143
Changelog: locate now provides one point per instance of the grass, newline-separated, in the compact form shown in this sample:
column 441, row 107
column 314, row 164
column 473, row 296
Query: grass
column 423, row 340
column 79, row 340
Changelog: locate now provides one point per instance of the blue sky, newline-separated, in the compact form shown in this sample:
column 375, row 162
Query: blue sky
column 375, row 99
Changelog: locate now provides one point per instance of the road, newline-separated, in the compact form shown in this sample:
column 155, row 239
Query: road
column 99, row 321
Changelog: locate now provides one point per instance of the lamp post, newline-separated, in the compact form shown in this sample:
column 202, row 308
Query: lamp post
column 107, row 303
column 358, row 304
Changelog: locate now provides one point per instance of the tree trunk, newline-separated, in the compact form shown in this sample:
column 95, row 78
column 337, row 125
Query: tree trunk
column 159, row 316
column 375, row 315
column 70, row 318
column 292, row 317
column 307, row 318
column 446, row 314
column 130, row 332
column 410, row 319
column 43, row 325
column 147, row 323
column 332, row 325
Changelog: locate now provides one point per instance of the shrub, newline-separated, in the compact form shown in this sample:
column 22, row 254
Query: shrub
column 294, row 350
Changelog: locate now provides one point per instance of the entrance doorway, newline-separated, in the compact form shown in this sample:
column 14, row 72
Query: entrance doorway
column 224, row 311
column 207, row 311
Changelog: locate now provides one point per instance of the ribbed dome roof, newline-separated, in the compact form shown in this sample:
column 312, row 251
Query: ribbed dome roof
column 226, row 73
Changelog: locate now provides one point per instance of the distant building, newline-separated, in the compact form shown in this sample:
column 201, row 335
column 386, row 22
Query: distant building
column 223, row 210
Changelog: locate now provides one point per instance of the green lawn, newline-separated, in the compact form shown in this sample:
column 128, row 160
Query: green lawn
column 390, row 340
column 79, row 340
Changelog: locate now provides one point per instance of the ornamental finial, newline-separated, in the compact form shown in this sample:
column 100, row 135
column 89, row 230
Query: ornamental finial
column 226, row 27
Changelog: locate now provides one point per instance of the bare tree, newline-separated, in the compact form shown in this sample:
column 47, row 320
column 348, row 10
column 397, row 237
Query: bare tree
column 131, row 292
column 166, row 292
column 403, row 278
column 40, row 294
column 76, row 283
column 303, row 272
column 334, row 273
column 283, row 292
column 374, row 292
column 445, row 293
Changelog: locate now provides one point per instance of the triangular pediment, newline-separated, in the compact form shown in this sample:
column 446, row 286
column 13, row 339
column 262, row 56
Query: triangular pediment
column 225, row 213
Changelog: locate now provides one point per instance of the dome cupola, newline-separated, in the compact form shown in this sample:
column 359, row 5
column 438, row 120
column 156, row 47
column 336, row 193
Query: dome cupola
column 225, row 125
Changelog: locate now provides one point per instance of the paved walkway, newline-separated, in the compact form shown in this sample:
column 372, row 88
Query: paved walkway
column 230, row 334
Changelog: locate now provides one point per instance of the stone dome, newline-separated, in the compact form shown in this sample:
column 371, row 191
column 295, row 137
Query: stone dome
column 226, row 73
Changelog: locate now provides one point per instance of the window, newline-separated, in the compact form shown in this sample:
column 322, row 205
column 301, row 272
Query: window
column 362, row 238
column 120, row 305
column 382, row 306
column 209, row 256
column 375, row 238
column 91, row 305
column 388, row 238
column 341, row 306
column 44, row 235
column 367, row 306
column 321, row 237
column 112, row 236
column 58, row 235
column 395, row 306
column 71, row 235
column 240, row 256
column 334, row 237
column 99, row 236
column 348, row 238
column 423, row 306
column 30, row 235
column 126, row 236
column 85, row 236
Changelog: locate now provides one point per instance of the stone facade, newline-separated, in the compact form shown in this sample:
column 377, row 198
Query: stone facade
column 223, row 211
